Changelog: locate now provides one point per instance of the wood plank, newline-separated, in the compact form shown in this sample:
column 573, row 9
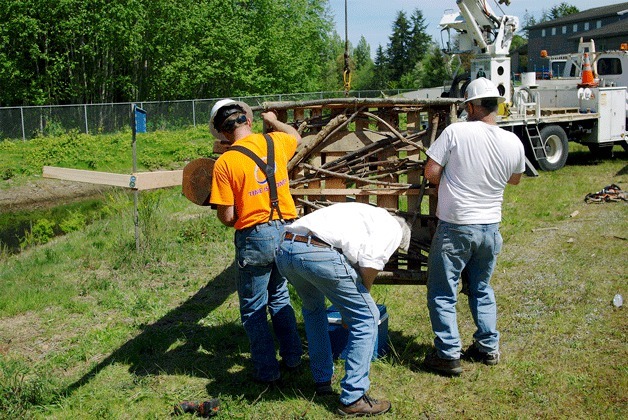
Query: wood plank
column 138, row 180
column 92, row 177
column 158, row 179
column 299, row 192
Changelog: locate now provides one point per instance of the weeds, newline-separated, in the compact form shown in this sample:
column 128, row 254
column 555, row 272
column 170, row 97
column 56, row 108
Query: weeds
column 21, row 389
column 129, row 335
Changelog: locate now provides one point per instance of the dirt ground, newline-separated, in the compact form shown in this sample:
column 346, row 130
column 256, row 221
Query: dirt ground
column 44, row 193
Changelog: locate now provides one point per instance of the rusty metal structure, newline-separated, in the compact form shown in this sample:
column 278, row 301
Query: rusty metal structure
column 370, row 150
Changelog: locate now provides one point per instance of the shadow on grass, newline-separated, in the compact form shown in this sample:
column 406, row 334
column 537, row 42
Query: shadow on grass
column 406, row 351
column 180, row 344
column 586, row 158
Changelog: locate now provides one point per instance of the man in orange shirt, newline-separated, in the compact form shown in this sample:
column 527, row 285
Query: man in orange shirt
column 242, row 193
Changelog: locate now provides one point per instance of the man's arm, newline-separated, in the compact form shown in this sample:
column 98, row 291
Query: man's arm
column 433, row 171
column 368, row 276
column 270, row 118
column 227, row 215
column 514, row 179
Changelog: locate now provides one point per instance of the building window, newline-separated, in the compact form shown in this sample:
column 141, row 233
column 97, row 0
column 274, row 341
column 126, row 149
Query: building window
column 553, row 31
column 598, row 24
column 575, row 27
column 586, row 26
column 564, row 30
column 542, row 32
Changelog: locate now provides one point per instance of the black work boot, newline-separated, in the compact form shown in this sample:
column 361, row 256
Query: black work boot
column 447, row 367
column 474, row 354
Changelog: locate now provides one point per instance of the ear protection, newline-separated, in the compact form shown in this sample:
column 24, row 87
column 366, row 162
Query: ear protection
column 229, row 125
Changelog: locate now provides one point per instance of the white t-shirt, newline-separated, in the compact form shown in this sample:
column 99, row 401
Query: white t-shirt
column 367, row 235
column 478, row 161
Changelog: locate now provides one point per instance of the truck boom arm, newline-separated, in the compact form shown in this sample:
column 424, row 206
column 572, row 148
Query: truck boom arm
column 480, row 29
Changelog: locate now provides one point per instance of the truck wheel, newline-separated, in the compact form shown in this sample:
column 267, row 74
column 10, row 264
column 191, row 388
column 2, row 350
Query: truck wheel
column 556, row 148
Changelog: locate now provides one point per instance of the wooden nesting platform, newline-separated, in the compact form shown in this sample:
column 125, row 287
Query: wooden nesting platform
column 371, row 151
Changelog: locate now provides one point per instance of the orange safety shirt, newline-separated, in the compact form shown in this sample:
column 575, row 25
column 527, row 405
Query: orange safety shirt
column 237, row 180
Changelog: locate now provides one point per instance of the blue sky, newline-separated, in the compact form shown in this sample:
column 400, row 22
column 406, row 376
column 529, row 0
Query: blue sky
column 374, row 18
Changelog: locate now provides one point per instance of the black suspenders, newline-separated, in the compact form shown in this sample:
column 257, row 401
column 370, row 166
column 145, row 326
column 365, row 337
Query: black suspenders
column 269, row 170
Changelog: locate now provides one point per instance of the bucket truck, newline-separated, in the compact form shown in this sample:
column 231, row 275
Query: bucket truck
column 544, row 114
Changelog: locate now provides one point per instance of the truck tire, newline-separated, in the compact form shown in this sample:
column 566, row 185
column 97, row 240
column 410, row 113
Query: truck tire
column 556, row 148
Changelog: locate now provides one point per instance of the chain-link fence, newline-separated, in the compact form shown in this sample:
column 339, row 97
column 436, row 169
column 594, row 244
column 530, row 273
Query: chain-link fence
column 26, row 122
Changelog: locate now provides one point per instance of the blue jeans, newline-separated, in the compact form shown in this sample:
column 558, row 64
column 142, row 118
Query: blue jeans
column 261, row 288
column 316, row 273
column 454, row 248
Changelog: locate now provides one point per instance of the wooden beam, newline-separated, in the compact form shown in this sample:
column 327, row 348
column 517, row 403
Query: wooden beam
column 92, row 177
column 158, row 179
column 358, row 191
column 136, row 181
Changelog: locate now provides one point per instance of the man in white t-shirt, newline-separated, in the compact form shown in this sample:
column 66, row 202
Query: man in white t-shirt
column 336, row 252
column 471, row 162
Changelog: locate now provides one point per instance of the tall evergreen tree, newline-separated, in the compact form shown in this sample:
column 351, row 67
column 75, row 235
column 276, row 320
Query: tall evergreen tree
column 419, row 40
column 397, row 51
column 381, row 75
column 364, row 67
column 362, row 54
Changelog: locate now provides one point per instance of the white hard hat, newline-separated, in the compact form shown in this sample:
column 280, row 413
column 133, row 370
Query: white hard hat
column 221, row 104
column 482, row 88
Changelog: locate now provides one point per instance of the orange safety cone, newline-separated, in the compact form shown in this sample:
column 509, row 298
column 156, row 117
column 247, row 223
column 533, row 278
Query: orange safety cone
column 587, row 73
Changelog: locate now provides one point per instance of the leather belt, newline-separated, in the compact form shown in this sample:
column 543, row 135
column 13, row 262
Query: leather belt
column 289, row 236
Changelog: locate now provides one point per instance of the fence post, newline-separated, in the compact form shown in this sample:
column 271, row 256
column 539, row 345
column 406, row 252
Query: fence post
column 85, row 116
column 194, row 113
column 22, row 118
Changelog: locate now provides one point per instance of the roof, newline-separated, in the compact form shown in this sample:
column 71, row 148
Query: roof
column 590, row 14
column 611, row 30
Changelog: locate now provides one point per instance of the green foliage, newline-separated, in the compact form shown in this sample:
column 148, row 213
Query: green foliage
column 75, row 221
column 107, row 153
column 41, row 232
column 119, row 51
column 561, row 10
column 399, row 66
column 21, row 389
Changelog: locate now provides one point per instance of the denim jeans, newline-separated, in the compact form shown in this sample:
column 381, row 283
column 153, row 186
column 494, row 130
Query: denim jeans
column 261, row 288
column 316, row 273
column 454, row 248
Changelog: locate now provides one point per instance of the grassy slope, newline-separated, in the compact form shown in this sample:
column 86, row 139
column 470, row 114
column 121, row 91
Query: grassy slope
column 91, row 329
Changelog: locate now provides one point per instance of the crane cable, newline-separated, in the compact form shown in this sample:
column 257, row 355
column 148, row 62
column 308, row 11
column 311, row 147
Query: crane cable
column 346, row 75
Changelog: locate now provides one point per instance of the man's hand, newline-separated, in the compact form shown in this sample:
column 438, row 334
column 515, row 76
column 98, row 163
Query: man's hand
column 368, row 276
column 270, row 119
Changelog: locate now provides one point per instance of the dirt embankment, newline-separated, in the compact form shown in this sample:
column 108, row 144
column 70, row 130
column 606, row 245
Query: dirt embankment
column 45, row 193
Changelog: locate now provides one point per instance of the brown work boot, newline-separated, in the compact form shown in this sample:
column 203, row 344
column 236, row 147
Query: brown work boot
column 365, row 406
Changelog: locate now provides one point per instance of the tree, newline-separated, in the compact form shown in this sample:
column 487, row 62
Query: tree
column 562, row 9
column 362, row 54
column 364, row 66
column 433, row 69
column 381, row 73
column 76, row 51
column 419, row 41
column 397, row 51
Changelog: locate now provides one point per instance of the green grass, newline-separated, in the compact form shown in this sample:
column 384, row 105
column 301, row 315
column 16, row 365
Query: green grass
column 91, row 328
